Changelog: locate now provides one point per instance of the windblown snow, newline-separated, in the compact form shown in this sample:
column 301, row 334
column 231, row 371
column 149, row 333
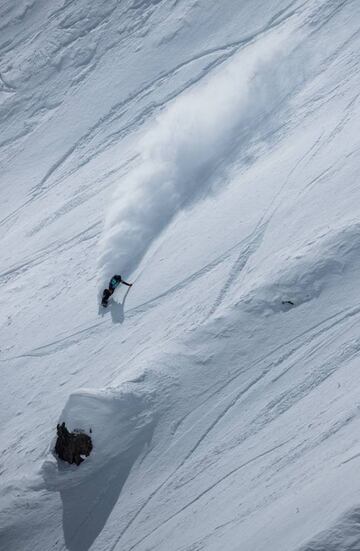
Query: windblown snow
column 178, row 158
column 209, row 152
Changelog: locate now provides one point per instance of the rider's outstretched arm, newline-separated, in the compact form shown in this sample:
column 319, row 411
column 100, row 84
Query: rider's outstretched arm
column 125, row 283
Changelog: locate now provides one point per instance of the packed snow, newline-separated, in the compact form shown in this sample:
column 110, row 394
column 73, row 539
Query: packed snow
column 208, row 152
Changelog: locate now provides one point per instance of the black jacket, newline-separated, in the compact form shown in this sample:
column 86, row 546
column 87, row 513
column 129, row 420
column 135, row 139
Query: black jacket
column 114, row 282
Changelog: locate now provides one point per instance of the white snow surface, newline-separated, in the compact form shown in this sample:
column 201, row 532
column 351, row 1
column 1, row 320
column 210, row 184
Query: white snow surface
column 209, row 152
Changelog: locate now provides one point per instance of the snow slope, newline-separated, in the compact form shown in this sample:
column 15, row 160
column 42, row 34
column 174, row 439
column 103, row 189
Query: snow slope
column 209, row 152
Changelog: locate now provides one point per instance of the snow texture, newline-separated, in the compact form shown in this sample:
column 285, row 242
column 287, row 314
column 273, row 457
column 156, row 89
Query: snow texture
column 209, row 152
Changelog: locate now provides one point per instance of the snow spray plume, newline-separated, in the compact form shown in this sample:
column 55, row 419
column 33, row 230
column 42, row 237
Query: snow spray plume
column 186, row 141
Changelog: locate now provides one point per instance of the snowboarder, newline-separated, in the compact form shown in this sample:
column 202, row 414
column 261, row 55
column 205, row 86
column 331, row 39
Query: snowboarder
column 114, row 282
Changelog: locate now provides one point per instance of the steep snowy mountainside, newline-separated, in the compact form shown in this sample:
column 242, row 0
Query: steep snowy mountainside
column 209, row 152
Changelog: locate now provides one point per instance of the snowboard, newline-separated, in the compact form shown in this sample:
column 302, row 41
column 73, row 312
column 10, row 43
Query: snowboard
column 105, row 298
column 107, row 295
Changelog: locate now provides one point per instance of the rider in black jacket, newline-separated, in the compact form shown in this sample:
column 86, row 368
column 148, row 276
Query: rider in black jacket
column 114, row 282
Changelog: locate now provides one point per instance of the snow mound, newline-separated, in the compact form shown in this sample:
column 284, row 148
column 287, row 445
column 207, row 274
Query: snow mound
column 304, row 272
column 119, row 420
column 180, row 152
column 343, row 536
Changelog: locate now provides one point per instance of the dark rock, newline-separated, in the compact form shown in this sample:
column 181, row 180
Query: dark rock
column 71, row 446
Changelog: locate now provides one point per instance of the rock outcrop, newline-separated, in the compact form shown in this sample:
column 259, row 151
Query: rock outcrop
column 72, row 446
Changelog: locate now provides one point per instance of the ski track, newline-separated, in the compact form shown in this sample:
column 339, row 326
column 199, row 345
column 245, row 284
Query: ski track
column 248, row 246
column 252, row 245
column 43, row 254
column 125, row 104
column 225, row 51
column 136, row 310
column 203, row 493
column 255, row 239
column 271, row 412
column 350, row 312
column 298, row 350
column 43, row 187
